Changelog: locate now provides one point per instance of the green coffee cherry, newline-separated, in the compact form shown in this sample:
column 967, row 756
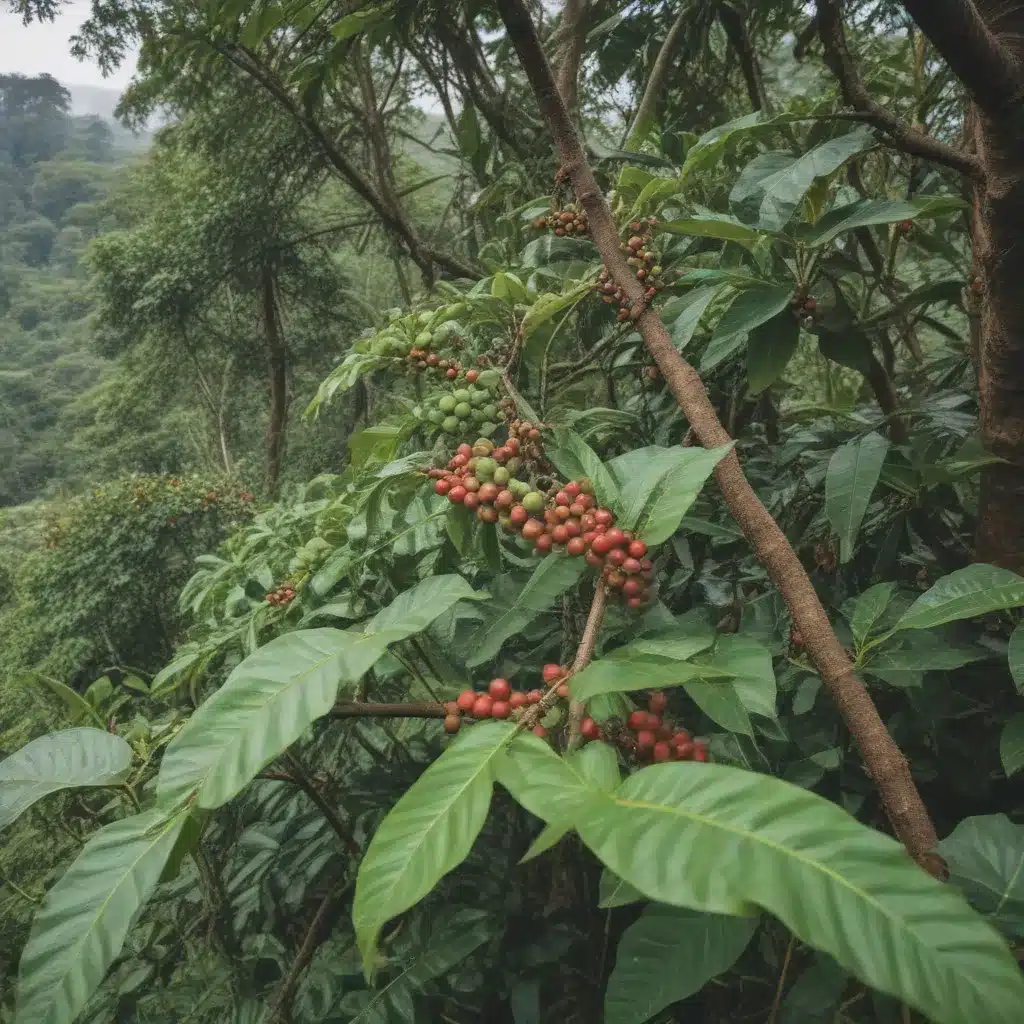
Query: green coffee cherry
column 489, row 378
column 462, row 410
column 519, row 488
column 490, row 411
column 501, row 476
column 423, row 339
column 480, row 397
column 451, row 424
column 447, row 403
column 436, row 416
column 533, row 501
column 426, row 316
column 462, row 395
column 485, row 467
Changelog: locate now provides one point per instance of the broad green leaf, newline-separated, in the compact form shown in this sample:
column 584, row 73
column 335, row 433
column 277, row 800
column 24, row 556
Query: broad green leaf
column 60, row 760
column 964, row 594
column 770, row 348
column 728, row 841
column 550, row 836
column 710, row 146
column 275, row 694
column 360, row 21
column 625, row 671
column 548, row 304
column 666, row 955
column 851, row 477
column 427, row 833
column 687, row 321
column 552, row 577
column 658, row 486
column 575, row 459
column 546, row 784
column 772, row 186
column 866, row 212
column 903, row 660
column 1015, row 655
column 82, row 924
column 615, row 892
column 1011, row 744
column 868, row 609
column 722, row 226
column 169, row 673
column 80, row 709
column 750, row 664
column 985, row 856
column 751, row 308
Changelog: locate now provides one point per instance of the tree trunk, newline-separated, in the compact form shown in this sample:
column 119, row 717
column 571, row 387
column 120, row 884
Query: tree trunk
column 277, row 365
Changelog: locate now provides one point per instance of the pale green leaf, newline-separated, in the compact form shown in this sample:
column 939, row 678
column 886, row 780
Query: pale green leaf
column 60, row 760
column 552, row 578
column 274, row 695
column 78, row 707
column 687, row 321
column 720, row 226
column 575, row 459
column 985, row 856
column 666, row 955
column 851, row 477
column 83, row 922
column 427, row 833
column 727, row 841
column 868, row 609
column 965, row 594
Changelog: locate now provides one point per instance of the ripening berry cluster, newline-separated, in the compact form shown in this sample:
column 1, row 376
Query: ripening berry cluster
column 571, row 220
column 647, row 269
column 470, row 409
column 501, row 701
column 654, row 739
column 284, row 594
column 420, row 360
column 481, row 477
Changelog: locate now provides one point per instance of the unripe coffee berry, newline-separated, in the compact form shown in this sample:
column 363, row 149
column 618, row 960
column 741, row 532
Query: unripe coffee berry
column 700, row 751
column 452, row 723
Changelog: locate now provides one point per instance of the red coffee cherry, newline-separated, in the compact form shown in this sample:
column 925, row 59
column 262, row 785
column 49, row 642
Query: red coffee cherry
column 550, row 673
column 637, row 549
column 466, row 700
column 457, row 495
column 633, row 588
column 653, row 721
column 645, row 741
column 576, row 546
column 559, row 534
column 518, row 515
column 604, row 517
column 442, row 487
column 563, row 690
column 662, row 752
column 532, row 529
column 589, row 729
column 637, row 720
column 501, row 709
column 544, row 544
column 601, row 545
column 561, row 498
column 629, row 565
column 534, row 696
column 595, row 561
column 517, row 699
column 684, row 751
column 700, row 751
column 499, row 689
column 482, row 706
column 617, row 537
column 539, row 730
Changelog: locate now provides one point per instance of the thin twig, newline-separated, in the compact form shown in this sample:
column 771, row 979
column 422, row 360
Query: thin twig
column 781, row 987
column 584, row 653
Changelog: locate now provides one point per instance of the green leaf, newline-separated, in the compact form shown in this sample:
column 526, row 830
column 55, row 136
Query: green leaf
column 60, row 760
column 555, row 575
column 1011, row 745
column 711, row 145
column 769, row 350
column 816, row 994
column 615, row 892
column 964, row 594
column 359, row 21
column 851, row 477
column 688, row 320
column 728, row 841
column 772, row 186
column 751, row 308
column 722, row 226
column 82, row 924
column 275, row 694
column 1015, row 655
column 868, row 609
column 427, row 833
column 79, row 708
column 866, row 212
column 985, row 856
column 658, row 486
column 666, row 955
column 575, row 459
column 750, row 664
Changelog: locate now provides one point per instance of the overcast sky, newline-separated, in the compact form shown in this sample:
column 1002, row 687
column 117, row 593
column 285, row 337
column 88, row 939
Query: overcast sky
column 39, row 47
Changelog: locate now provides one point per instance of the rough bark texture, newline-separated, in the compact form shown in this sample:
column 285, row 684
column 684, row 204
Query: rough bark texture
column 901, row 135
column 884, row 761
column 572, row 38
column 277, row 366
column 656, row 83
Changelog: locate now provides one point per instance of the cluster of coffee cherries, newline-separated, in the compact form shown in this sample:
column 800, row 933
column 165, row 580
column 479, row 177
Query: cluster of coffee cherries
column 422, row 361
column 284, row 594
column 481, row 477
column 501, row 701
column 570, row 220
column 643, row 259
column 805, row 306
column 470, row 409
column 651, row 737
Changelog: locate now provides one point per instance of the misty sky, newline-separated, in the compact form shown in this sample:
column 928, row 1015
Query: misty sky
column 39, row 47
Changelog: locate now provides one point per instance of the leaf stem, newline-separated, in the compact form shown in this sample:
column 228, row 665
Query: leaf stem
column 780, row 988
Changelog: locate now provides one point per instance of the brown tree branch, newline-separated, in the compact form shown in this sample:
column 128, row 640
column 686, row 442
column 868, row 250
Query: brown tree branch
column 407, row 709
column 572, row 37
column 901, row 135
column 986, row 68
column 884, row 761
column 644, row 116
column 584, row 653
column 736, row 32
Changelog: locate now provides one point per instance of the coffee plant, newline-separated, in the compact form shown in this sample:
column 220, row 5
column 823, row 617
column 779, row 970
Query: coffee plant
column 592, row 688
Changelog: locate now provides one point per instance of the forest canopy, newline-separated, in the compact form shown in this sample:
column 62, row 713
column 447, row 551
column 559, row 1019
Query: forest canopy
column 511, row 510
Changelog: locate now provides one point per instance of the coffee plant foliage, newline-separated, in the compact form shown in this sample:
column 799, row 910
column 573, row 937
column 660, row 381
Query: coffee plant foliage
column 372, row 784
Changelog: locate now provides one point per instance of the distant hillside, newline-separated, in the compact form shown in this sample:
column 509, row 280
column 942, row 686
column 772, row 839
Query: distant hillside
column 95, row 100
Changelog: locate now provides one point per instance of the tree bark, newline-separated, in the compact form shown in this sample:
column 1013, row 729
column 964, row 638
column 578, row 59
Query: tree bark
column 736, row 32
column 644, row 118
column 572, row 37
column 884, row 761
column 277, row 365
